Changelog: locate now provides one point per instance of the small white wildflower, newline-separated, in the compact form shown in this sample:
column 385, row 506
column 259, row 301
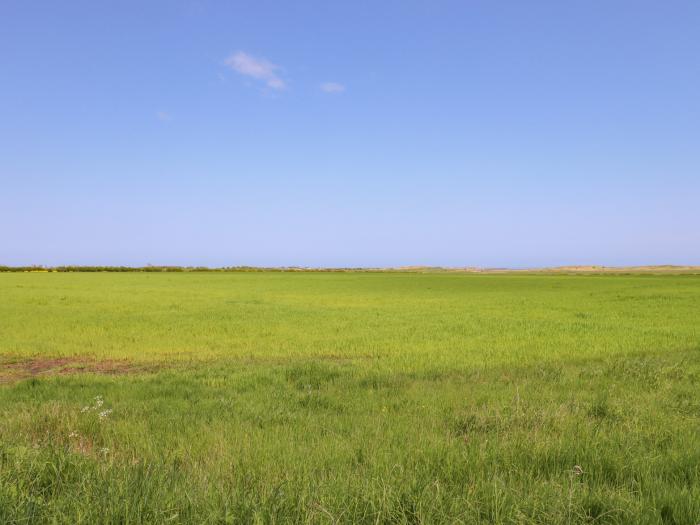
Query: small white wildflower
column 73, row 434
column 105, row 413
column 99, row 401
column 104, row 450
column 84, row 409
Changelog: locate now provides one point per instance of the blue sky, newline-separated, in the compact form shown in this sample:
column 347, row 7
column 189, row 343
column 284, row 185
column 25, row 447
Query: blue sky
column 363, row 133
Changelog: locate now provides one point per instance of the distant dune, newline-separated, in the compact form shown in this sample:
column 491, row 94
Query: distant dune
column 666, row 268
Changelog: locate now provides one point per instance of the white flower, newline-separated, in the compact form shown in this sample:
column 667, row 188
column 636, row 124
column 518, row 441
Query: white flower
column 105, row 413
column 104, row 450
column 84, row 409
column 73, row 434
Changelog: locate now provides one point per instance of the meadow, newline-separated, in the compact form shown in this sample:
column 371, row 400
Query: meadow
column 352, row 397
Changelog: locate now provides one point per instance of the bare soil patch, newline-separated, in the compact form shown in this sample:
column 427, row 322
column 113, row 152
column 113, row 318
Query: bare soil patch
column 17, row 368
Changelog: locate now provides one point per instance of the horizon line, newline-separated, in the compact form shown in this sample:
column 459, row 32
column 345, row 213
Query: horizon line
column 588, row 268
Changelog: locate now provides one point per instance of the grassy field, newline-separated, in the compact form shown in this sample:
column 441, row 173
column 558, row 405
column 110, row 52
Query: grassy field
column 349, row 398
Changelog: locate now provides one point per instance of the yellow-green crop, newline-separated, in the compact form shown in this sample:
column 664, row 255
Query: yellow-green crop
column 349, row 398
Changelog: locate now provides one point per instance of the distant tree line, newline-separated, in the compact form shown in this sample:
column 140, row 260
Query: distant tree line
column 171, row 269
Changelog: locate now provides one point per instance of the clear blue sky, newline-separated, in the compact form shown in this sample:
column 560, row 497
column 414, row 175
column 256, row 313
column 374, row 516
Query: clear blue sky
column 354, row 133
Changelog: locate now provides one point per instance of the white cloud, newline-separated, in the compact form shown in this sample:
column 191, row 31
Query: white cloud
column 332, row 87
column 258, row 68
column 164, row 116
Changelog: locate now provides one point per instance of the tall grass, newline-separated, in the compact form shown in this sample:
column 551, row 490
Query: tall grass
column 353, row 398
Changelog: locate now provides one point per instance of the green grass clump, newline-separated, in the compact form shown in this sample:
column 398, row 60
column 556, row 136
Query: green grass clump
column 350, row 398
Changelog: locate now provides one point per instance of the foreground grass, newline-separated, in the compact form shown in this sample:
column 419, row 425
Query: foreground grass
column 355, row 398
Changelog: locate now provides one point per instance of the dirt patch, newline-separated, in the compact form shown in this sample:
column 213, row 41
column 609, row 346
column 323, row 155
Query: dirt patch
column 17, row 368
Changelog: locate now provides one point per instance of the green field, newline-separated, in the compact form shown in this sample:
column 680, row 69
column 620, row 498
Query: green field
column 349, row 398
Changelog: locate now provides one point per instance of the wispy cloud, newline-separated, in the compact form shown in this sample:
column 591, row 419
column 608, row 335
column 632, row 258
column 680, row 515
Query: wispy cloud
column 164, row 116
column 332, row 87
column 257, row 68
